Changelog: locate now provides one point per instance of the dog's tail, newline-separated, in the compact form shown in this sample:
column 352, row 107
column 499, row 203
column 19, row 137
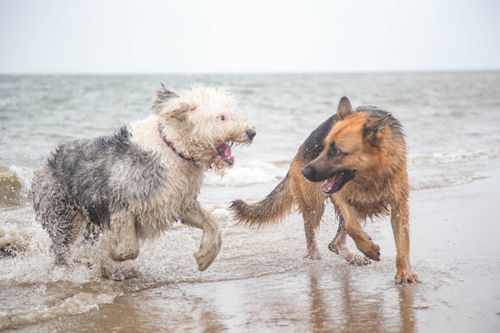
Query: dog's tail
column 272, row 209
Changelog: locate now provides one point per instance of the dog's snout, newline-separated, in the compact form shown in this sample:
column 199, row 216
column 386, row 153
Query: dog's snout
column 309, row 172
column 251, row 133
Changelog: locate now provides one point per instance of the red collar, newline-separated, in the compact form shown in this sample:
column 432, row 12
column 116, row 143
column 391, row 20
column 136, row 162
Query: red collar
column 170, row 144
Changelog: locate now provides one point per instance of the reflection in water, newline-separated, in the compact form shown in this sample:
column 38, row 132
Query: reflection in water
column 210, row 321
column 406, row 309
column 317, row 299
column 319, row 310
column 347, row 308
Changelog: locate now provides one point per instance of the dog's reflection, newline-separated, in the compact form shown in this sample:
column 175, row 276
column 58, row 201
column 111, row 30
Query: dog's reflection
column 346, row 307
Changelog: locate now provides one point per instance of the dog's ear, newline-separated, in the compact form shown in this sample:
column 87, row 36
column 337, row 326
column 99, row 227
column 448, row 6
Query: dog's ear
column 177, row 109
column 344, row 108
column 162, row 95
column 374, row 127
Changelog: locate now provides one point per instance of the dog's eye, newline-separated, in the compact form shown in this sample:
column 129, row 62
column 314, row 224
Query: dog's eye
column 334, row 151
column 221, row 117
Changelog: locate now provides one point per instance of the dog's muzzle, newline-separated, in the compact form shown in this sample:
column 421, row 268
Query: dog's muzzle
column 331, row 182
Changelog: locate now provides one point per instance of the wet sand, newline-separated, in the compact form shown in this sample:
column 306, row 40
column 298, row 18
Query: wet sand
column 455, row 252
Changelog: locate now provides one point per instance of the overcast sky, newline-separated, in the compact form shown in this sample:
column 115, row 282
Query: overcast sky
column 123, row 36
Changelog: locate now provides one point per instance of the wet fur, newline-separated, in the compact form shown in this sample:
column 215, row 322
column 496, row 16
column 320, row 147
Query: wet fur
column 376, row 146
column 130, row 186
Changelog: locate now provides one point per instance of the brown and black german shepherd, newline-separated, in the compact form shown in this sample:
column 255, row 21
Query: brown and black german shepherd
column 357, row 159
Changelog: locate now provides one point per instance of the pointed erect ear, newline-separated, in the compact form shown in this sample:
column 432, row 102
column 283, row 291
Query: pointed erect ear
column 162, row 95
column 373, row 128
column 344, row 108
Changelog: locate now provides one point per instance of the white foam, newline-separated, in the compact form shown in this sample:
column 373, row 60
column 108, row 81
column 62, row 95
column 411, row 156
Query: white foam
column 456, row 156
column 254, row 172
column 73, row 304
column 429, row 182
column 24, row 174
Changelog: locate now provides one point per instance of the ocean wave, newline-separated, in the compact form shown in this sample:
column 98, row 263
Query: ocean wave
column 453, row 157
column 15, row 181
column 14, row 185
column 72, row 304
column 254, row 172
column 440, row 181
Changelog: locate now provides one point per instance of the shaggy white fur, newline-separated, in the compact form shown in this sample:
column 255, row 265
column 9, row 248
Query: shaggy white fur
column 145, row 177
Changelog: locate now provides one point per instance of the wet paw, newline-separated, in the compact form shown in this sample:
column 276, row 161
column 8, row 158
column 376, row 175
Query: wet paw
column 372, row 251
column 129, row 254
column 119, row 274
column 405, row 277
column 357, row 260
column 205, row 257
column 203, row 260
column 313, row 256
column 333, row 247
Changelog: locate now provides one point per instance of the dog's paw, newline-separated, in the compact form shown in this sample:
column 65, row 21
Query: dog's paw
column 313, row 256
column 206, row 255
column 334, row 248
column 357, row 260
column 405, row 277
column 119, row 274
column 372, row 251
column 204, row 259
column 351, row 258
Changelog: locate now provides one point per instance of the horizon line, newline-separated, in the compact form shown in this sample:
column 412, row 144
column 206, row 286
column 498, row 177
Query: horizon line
column 255, row 72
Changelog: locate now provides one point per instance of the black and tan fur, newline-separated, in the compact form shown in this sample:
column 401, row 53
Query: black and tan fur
column 360, row 156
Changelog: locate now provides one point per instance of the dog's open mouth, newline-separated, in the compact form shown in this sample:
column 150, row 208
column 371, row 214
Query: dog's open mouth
column 224, row 155
column 336, row 181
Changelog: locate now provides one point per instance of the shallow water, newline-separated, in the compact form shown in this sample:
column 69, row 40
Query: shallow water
column 260, row 281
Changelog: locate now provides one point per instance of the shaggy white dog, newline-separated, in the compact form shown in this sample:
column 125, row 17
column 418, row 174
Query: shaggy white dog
column 132, row 185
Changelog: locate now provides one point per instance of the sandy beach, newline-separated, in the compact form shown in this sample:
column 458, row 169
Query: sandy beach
column 455, row 252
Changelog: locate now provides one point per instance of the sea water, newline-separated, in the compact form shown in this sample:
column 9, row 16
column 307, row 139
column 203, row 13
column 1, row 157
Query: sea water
column 451, row 121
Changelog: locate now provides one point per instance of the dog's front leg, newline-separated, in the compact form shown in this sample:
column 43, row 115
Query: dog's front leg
column 211, row 239
column 124, row 244
column 353, row 227
column 338, row 245
column 119, row 243
column 401, row 230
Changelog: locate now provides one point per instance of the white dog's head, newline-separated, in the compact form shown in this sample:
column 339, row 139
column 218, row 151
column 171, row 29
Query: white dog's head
column 201, row 124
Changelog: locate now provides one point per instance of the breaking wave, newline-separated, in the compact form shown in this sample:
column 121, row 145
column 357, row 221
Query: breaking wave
column 254, row 172
column 453, row 157
column 15, row 183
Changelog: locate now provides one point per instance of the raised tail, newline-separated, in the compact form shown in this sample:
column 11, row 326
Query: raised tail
column 272, row 209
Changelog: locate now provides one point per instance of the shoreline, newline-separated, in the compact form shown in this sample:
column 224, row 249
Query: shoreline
column 454, row 251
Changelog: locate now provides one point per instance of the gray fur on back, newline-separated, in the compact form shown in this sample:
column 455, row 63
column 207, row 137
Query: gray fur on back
column 80, row 175
column 134, row 183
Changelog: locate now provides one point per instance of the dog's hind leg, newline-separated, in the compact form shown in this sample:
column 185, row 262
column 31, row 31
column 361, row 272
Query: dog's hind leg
column 312, row 211
column 56, row 212
column 311, row 204
column 311, row 223
column 63, row 228
column 338, row 244
column 211, row 239
column 352, row 226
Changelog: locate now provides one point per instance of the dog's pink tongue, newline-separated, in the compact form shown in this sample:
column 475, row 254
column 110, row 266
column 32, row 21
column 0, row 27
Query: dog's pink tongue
column 225, row 151
column 327, row 185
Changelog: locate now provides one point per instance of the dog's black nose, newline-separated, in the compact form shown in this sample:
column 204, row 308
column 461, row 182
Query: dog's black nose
column 309, row 172
column 251, row 133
